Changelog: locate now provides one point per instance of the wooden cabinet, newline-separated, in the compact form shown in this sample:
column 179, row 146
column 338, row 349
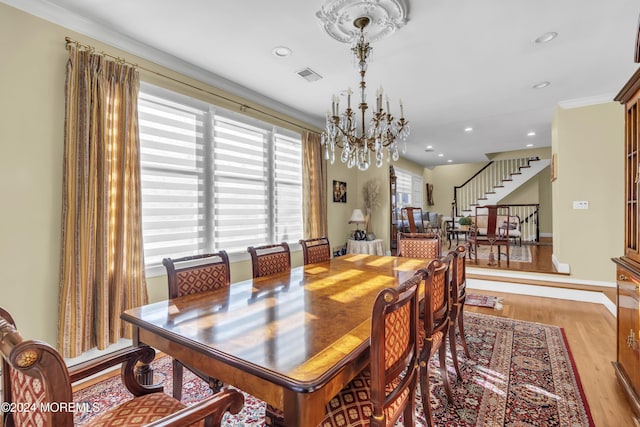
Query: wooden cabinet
column 628, row 325
column 630, row 96
column 393, row 203
column 627, row 364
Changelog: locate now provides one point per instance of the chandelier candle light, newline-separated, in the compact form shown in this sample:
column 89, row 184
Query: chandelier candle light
column 383, row 133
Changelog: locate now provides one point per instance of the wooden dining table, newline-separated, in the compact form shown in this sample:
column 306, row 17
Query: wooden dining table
column 292, row 339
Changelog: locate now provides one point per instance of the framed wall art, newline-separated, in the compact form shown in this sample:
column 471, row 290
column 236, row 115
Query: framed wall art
column 339, row 191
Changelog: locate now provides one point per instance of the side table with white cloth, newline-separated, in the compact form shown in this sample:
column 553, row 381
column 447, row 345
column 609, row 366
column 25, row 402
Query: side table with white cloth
column 370, row 247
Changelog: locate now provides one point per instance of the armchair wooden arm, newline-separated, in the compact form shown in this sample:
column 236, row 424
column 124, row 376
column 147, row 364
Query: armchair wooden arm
column 213, row 407
column 129, row 358
column 33, row 371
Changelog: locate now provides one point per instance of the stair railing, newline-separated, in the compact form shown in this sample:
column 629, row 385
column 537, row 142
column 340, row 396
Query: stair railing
column 484, row 182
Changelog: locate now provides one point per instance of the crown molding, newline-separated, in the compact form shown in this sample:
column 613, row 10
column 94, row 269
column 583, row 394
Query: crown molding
column 587, row 101
column 75, row 22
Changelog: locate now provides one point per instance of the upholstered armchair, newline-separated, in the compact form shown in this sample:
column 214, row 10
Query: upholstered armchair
column 33, row 371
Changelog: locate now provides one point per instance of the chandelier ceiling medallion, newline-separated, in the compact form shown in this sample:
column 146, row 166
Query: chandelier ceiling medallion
column 387, row 16
column 382, row 133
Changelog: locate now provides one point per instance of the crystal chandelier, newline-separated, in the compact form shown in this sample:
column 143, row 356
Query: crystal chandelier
column 382, row 134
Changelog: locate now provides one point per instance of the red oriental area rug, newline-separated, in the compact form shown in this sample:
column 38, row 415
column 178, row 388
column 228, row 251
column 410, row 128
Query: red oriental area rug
column 520, row 374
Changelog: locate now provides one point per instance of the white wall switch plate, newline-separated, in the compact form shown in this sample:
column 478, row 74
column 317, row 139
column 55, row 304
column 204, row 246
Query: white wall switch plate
column 580, row 204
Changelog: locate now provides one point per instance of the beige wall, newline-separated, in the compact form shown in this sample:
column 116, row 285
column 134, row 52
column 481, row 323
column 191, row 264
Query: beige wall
column 32, row 79
column 589, row 144
column 546, row 205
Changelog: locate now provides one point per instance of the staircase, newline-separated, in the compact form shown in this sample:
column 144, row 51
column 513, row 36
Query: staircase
column 494, row 182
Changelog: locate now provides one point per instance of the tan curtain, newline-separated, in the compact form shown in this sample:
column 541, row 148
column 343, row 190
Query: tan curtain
column 102, row 268
column 314, row 186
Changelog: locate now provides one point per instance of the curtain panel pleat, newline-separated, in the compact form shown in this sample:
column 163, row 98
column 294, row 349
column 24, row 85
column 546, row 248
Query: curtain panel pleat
column 314, row 185
column 102, row 267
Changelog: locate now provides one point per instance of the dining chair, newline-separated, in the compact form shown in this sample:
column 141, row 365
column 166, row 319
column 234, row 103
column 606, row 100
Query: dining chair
column 412, row 220
column 458, row 296
column 386, row 389
column 191, row 275
column 34, row 372
column 419, row 245
column 270, row 259
column 493, row 235
column 434, row 328
column 316, row 250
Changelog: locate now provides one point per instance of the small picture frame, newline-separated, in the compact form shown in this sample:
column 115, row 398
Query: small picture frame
column 339, row 191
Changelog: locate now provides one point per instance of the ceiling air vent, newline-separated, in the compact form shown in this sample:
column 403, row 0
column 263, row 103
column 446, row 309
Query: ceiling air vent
column 309, row 75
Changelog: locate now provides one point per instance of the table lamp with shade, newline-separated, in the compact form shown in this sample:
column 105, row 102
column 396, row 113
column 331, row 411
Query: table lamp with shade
column 357, row 217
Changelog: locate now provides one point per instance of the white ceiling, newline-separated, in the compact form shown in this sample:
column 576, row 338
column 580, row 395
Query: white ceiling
column 456, row 63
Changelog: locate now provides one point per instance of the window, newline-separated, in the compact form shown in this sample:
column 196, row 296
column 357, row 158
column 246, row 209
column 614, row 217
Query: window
column 408, row 189
column 213, row 179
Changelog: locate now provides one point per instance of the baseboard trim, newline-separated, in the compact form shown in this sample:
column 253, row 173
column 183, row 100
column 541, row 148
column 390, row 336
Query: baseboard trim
column 560, row 267
column 597, row 295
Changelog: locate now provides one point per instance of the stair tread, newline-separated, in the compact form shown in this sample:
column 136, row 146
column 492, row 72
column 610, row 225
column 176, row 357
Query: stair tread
column 517, row 173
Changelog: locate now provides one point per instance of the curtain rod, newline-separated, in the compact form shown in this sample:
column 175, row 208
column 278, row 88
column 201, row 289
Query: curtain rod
column 242, row 107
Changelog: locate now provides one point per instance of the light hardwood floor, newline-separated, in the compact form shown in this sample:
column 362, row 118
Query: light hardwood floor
column 541, row 259
column 591, row 333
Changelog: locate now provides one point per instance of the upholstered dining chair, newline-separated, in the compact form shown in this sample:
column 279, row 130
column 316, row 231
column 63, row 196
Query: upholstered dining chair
column 434, row 328
column 270, row 259
column 191, row 275
column 316, row 250
column 33, row 371
column 386, row 389
column 458, row 296
column 419, row 245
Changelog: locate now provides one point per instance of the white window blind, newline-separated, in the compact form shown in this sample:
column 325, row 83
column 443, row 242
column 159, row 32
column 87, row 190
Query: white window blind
column 213, row 179
column 408, row 189
column 416, row 190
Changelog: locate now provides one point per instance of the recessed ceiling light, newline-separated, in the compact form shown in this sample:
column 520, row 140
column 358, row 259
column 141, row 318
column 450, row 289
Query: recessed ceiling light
column 541, row 85
column 440, row 155
column 449, row 161
column 281, row 51
column 532, row 133
column 546, row 37
column 529, row 145
column 468, row 129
